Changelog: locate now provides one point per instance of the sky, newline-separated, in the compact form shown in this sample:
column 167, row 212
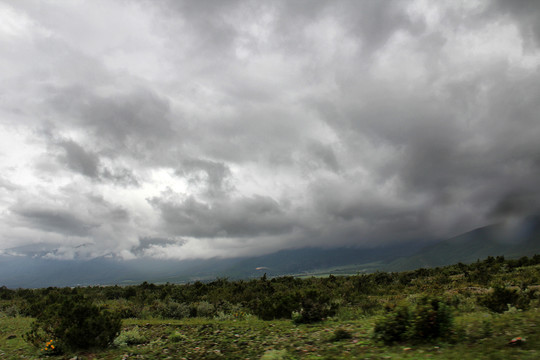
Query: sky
column 195, row 129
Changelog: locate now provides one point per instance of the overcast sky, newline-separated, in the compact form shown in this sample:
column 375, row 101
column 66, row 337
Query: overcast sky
column 189, row 129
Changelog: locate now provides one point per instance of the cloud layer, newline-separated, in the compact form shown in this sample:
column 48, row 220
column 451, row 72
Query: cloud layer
column 190, row 129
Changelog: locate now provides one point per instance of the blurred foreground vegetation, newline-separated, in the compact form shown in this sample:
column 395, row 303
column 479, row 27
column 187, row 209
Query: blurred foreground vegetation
column 488, row 309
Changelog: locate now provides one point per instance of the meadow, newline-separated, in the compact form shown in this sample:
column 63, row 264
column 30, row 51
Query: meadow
column 489, row 309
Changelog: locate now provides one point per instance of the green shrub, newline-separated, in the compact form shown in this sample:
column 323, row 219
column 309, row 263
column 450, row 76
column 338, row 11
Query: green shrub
column 432, row 319
column 74, row 322
column 124, row 308
column 368, row 304
column 340, row 334
column 394, row 326
column 501, row 298
column 205, row 309
column 315, row 307
column 10, row 311
column 177, row 337
column 174, row 310
column 277, row 306
column 130, row 337
column 237, row 315
column 311, row 312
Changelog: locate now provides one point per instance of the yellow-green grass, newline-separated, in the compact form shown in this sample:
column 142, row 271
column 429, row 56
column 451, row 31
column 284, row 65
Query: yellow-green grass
column 12, row 345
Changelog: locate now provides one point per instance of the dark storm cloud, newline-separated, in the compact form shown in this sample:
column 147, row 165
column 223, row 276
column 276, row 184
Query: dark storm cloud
column 352, row 211
column 325, row 155
column 375, row 22
column 87, row 163
column 516, row 204
column 52, row 220
column 526, row 14
column 72, row 213
column 243, row 217
column 137, row 120
column 267, row 124
column 78, row 159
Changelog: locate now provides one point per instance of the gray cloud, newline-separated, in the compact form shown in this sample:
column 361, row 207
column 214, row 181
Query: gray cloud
column 137, row 120
column 526, row 14
column 147, row 243
column 78, row 159
column 87, row 163
column 8, row 185
column 375, row 23
column 324, row 154
column 120, row 176
column 253, row 216
column 262, row 125
column 516, row 204
column 54, row 220
column 217, row 174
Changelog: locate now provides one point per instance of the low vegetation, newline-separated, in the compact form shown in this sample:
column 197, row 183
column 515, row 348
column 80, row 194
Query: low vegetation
column 488, row 309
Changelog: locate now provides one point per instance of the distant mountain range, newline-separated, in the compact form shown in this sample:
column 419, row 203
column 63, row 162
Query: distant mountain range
column 28, row 268
column 520, row 238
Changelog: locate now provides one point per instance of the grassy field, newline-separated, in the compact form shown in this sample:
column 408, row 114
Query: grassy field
column 484, row 336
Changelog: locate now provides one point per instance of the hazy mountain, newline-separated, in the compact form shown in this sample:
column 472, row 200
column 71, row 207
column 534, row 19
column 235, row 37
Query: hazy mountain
column 298, row 261
column 521, row 238
column 29, row 267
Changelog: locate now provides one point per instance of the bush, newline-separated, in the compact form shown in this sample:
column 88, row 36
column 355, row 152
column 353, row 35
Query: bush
column 315, row 307
column 177, row 337
column 130, row 337
column 278, row 306
column 123, row 308
column 237, row 315
column 74, row 322
column 501, row 298
column 205, row 309
column 340, row 334
column 311, row 312
column 10, row 311
column 368, row 304
column 394, row 326
column 431, row 319
column 174, row 310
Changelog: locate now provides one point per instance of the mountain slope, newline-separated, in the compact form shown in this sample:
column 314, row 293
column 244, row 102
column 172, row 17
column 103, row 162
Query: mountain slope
column 296, row 261
column 521, row 239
